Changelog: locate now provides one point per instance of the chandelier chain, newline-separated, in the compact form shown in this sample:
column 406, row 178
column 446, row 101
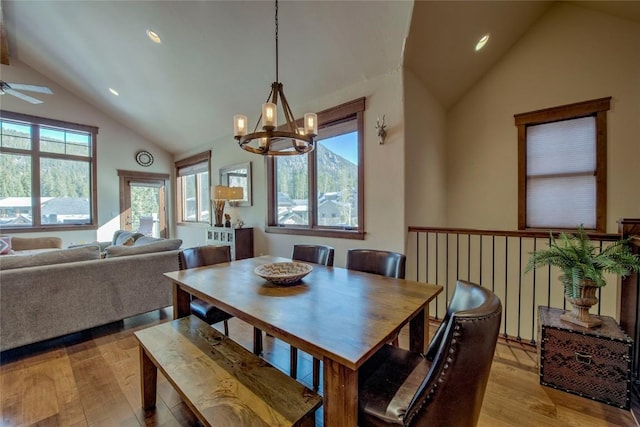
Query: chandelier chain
column 277, row 78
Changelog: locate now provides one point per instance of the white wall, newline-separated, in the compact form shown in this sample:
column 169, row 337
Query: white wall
column 117, row 146
column 572, row 54
column 384, row 174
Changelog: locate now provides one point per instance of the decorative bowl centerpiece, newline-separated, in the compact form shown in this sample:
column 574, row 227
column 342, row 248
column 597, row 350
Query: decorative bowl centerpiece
column 283, row 273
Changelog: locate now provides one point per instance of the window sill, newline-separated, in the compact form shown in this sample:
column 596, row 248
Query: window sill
column 318, row 232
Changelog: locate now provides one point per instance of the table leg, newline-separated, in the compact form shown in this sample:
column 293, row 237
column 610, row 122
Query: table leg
column 181, row 301
column 419, row 331
column 148, row 381
column 340, row 395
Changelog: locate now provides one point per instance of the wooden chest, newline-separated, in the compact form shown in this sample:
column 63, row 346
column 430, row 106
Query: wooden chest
column 593, row 363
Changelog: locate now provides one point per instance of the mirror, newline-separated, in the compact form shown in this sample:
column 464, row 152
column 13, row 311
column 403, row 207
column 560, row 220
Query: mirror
column 238, row 175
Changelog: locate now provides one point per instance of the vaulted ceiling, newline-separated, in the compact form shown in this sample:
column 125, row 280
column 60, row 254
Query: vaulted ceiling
column 217, row 57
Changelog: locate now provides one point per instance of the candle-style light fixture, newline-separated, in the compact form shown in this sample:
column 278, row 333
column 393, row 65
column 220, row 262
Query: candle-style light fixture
column 267, row 141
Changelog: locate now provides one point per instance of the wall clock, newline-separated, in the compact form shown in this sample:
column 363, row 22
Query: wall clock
column 144, row 158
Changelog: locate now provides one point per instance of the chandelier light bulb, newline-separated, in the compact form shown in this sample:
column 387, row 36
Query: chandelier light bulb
column 311, row 124
column 269, row 115
column 240, row 125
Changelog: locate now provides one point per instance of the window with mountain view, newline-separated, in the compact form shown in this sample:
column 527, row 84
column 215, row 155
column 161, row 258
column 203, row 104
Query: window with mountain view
column 319, row 193
column 47, row 173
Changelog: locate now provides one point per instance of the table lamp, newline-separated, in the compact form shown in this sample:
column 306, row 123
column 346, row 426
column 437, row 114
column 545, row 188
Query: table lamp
column 219, row 195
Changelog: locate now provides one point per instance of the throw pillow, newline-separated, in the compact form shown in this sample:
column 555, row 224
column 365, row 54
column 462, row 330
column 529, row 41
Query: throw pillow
column 161, row 246
column 125, row 238
column 61, row 256
column 145, row 240
column 5, row 245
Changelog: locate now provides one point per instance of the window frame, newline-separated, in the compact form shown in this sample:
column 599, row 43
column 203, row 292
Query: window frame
column 348, row 111
column 593, row 108
column 196, row 159
column 36, row 123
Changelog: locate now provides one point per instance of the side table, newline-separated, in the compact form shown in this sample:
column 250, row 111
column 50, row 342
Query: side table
column 593, row 363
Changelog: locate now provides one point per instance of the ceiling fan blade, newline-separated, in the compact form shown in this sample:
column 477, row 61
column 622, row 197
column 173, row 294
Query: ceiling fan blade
column 4, row 44
column 30, row 88
column 23, row 96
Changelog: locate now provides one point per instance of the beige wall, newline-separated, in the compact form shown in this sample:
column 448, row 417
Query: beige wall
column 384, row 174
column 572, row 54
column 117, row 146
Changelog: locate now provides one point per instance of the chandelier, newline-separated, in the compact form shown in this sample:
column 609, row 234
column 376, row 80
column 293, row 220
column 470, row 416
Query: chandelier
column 273, row 140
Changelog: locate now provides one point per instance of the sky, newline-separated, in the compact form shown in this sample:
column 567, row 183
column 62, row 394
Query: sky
column 345, row 145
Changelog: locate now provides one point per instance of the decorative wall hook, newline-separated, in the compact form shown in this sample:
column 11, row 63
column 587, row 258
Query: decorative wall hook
column 381, row 128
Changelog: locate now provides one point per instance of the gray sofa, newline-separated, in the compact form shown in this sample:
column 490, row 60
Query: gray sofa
column 47, row 300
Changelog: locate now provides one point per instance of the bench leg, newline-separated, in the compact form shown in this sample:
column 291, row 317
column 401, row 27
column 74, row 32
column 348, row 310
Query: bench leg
column 148, row 380
column 257, row 341
column 293, row 362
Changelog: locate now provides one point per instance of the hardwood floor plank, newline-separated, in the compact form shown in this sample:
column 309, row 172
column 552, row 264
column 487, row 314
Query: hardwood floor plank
column 92, row 379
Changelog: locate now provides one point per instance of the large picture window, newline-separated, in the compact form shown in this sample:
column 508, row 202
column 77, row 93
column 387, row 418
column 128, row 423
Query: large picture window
column 562, row 166
column 193, row 184
column 320, row 193
column 47, row 174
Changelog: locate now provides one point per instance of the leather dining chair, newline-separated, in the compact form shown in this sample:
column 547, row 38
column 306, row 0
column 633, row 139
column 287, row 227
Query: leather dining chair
column 199, row 257
column 446, row 385
column 315, row 254
column 383, row 263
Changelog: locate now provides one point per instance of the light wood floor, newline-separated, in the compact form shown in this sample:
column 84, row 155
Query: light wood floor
column 92, row 379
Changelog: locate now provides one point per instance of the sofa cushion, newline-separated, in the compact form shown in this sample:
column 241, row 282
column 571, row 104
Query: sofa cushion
column 28, row 243
column 51, row 257
column 5, row 245
column 145, row 240
column 160, row 246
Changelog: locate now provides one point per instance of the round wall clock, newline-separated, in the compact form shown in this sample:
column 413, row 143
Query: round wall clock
column 144, row 158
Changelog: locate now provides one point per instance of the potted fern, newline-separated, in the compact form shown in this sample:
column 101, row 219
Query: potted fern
column 583, row 266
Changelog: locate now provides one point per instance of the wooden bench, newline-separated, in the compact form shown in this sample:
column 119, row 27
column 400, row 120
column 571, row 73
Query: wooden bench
column 223, row 383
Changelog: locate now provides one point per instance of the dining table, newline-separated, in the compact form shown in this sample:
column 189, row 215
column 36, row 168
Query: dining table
column 339, row 316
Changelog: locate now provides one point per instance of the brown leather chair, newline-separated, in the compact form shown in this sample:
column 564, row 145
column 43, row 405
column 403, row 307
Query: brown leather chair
column 199, row 257
column 384, row 263
column 446, row 385
column 316, row 254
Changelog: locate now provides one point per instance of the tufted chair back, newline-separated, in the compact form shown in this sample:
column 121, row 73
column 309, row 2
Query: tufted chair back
column 317, row 254
column 384, row 263
column 451, row 385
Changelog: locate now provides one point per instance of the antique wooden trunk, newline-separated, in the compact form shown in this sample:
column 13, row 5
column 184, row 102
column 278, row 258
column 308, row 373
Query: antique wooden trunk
column 593, row 363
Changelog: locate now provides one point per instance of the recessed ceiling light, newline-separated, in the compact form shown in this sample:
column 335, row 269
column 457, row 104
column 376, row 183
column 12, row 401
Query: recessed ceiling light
column 482, row 42
column 153, row 37
column 113, row 91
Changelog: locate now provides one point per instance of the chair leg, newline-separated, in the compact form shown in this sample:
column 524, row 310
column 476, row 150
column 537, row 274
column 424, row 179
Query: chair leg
column 316, row 374
column 226, row 328
column 293, row 362
column 257, row 341
column 395, row 342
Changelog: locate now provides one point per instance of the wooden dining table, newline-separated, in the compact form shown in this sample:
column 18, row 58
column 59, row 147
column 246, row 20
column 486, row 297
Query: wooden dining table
column 339, row 316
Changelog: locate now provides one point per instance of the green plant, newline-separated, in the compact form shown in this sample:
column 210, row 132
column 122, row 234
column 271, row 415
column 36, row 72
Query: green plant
column 580, row 260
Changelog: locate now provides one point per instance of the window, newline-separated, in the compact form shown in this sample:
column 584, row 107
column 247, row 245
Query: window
column 321, row 193
column 193, row 186
column 562, row 166
column 47, row 174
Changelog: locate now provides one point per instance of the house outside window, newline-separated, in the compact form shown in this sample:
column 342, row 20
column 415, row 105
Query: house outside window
column 320, row 193
column 47, row 174
column 562, row 166
column 193, row 186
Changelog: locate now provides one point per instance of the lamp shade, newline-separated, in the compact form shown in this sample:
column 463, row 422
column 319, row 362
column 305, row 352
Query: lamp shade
column 222, row 192
column 236, row 193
